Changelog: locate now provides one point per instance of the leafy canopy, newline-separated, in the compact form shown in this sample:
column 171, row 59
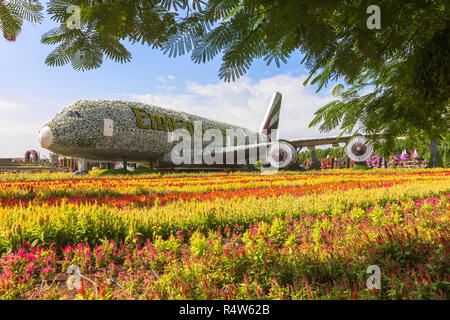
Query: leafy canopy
column 14, row 12
column 394, row 79
column 105, row 23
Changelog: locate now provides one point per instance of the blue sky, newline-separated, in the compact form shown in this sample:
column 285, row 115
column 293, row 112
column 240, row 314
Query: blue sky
column 31, row 93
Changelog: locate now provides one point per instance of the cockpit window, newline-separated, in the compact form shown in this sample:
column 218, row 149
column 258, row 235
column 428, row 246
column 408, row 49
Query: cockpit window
column 74, row 114
column 70, row 114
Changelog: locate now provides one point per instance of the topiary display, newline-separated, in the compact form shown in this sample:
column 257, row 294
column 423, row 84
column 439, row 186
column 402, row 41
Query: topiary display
column 140, row 129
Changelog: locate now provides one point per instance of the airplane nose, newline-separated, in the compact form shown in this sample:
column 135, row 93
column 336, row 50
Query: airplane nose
column 45, row 137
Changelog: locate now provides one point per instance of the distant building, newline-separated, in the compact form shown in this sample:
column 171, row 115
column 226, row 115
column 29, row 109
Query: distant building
column 6, row 161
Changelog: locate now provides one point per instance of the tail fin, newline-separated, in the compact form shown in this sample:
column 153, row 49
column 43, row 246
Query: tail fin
column 269, row 126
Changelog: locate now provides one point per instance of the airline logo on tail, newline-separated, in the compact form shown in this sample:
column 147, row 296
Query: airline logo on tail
column 269, row 126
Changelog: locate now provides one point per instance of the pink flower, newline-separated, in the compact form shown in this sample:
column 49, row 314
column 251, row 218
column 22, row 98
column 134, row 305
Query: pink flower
column 47, row 269
column 9, row 37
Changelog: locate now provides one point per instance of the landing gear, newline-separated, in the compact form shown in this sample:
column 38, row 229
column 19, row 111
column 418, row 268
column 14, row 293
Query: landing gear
column 82, row 167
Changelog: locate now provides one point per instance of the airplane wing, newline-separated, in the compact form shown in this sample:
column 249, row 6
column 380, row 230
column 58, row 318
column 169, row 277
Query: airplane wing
column 311, row 142
column 297, row 143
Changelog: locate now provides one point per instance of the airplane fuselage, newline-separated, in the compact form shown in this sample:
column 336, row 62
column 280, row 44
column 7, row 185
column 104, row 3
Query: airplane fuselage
column 117, row 130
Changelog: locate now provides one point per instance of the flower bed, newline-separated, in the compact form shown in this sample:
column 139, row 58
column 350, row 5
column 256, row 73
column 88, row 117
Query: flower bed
column 238, row 236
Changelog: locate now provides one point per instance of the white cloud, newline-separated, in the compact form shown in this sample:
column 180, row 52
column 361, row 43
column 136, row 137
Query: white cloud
column 165, row 87
column 9, row 106
column 17, row 137
column 244, row 103
column 164, row 79
column 19, row 126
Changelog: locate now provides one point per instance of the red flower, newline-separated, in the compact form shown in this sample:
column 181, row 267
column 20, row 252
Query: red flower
column 9, row 37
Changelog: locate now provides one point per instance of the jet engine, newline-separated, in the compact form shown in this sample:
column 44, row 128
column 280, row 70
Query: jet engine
column 281, row 154
column 358, row 150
